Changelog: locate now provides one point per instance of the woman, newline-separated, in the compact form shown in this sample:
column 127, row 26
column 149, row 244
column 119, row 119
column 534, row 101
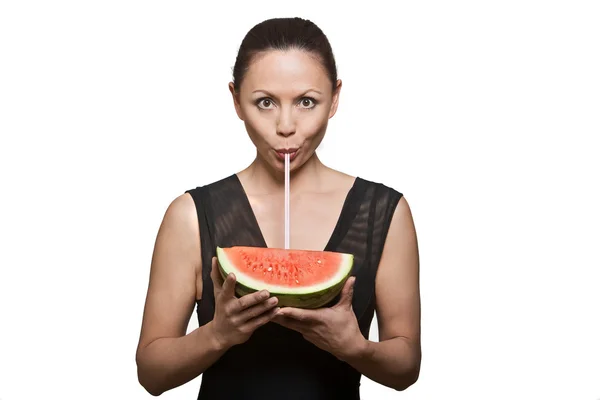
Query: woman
column 285, row 89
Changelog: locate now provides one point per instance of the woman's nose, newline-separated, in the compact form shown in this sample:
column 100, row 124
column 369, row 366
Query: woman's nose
column 286, row 125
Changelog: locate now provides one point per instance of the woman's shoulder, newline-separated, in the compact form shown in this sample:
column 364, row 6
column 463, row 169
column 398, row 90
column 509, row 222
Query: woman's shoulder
column 212, row 184
column 383, row 187
column 188, row 203
column 378, row 191
column 380, row 194
column 335, row 175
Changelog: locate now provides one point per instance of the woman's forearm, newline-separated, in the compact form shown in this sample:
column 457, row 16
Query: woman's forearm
column 391, row 362
column 167, row 363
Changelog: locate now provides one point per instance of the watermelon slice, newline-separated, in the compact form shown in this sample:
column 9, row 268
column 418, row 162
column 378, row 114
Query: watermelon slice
column 298, row 278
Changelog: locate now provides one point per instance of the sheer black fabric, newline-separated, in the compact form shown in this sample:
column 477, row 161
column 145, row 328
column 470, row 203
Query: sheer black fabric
column 278, row 363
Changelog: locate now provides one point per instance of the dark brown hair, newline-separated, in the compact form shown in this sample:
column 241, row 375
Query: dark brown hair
column 284, row 34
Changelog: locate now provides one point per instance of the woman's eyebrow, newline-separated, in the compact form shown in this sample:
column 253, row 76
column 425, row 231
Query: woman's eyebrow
column 303, row 94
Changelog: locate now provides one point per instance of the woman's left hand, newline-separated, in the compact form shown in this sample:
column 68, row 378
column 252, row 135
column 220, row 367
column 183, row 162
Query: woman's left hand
column 333, row 329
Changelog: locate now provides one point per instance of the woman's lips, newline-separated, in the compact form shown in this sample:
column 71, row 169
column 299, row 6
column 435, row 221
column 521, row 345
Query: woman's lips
column 282, row 152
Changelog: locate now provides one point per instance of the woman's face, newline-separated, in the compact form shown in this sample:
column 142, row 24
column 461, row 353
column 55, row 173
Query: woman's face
column 285, row 101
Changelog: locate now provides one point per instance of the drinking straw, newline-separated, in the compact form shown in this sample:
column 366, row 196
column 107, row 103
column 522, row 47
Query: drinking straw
column 287, row 200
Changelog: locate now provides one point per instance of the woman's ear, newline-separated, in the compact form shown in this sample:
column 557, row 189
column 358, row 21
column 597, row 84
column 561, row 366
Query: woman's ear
column 236, row 101
column 335, row 98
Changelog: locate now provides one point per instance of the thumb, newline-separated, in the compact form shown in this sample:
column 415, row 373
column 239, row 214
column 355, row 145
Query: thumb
column 347, row 293
column 229, row 285
column 215, row 275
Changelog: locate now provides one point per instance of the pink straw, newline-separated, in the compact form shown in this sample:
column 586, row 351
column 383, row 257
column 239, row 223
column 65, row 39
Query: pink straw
column 287, row 200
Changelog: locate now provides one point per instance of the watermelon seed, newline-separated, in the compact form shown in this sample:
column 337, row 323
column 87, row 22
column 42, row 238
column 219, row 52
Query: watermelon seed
column 270, row 269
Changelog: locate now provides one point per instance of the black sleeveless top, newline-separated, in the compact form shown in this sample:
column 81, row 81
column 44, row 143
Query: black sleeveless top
column 276, row 362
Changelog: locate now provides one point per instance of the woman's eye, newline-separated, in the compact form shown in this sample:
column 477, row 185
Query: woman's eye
column 307, row 102
column 265, row 103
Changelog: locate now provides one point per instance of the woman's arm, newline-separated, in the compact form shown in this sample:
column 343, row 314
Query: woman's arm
column 395, row 360
column 166, row 357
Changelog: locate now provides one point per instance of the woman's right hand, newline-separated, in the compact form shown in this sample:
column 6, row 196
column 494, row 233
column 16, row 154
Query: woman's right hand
column 235, row 319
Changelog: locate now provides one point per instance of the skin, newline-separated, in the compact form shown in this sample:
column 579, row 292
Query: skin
column 285, row 100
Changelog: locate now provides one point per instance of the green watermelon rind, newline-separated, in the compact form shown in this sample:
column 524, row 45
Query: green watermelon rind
column 313, row 296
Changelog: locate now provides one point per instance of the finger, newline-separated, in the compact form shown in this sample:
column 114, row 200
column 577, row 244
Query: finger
column 216, row 276
column 250, row 300
column 258, row 309
column 262, row 319
column 347, row 293
column 290, row 324
column 300, row 314
column 229, row 286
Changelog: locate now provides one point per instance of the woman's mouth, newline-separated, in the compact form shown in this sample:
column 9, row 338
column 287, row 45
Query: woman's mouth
column 282, row 152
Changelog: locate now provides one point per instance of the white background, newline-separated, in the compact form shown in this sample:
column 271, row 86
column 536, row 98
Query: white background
column 482, row 113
